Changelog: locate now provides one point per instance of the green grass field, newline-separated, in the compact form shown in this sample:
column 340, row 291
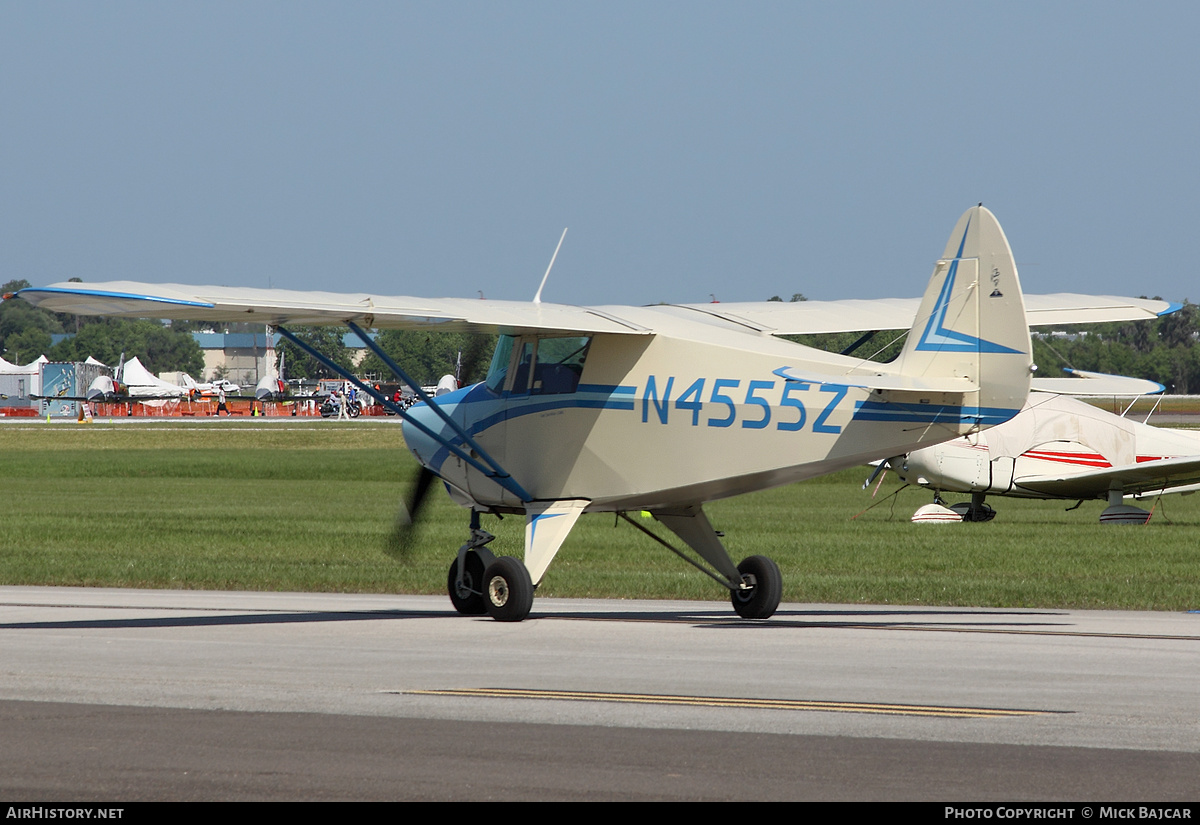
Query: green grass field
column 309, row 506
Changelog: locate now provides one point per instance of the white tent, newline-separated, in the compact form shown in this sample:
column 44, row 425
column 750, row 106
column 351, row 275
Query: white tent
column 142, row 382
column 8, row 368
column 31, row 373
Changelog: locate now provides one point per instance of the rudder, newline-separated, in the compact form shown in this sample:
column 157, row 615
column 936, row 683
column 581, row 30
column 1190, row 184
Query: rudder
column 971, row 323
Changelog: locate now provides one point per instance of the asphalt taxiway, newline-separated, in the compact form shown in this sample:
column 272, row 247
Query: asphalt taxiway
column 112, row 694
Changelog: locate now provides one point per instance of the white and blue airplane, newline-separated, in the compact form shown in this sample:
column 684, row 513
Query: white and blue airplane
column 665, row 408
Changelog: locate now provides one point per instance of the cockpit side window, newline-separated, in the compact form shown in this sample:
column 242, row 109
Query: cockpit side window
column 559, row 365
column 538, row 366
column 525, row 364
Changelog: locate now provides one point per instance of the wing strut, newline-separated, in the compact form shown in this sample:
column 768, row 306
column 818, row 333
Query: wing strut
column 493, row 471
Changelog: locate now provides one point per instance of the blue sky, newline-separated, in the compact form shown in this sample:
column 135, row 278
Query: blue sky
column 693, row 148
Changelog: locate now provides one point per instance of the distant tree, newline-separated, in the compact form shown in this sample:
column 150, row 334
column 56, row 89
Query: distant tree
column 426, row 356
column 325, row 340
column 23, row 347
column 159, row 348
column 25, row 330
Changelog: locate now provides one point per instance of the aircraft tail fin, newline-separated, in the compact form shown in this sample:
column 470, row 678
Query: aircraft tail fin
column 971, row 323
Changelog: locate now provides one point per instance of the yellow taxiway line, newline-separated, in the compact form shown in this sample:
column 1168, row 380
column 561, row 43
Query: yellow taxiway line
column 729, row 702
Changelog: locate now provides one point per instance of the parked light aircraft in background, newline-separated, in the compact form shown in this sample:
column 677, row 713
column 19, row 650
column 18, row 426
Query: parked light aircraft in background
column 130, row 381
column 133, row 382
column 665, row 408
column 272, row 386
column 207, row 389
column 1057, row 448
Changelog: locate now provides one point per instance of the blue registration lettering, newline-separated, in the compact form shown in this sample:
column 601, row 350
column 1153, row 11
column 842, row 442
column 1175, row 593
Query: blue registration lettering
column 694, row 404
column 652, row 397
column 819, row 426
column 752, row 399
column 719, row 397
column 788, row 401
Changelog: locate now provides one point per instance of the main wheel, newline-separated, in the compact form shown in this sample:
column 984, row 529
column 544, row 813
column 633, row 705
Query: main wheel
column 468, row 600
column 507, row 590
column 766, row 588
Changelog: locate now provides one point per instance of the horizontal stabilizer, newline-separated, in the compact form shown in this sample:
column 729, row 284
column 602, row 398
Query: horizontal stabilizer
column 1097, row 383
column 895, row 383
column 1147, row 476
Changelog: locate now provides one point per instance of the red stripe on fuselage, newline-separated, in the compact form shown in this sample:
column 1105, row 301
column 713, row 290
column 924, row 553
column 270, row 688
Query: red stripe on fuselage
column 1086, row 459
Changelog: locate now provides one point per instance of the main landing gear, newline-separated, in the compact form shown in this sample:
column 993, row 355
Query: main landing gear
column 762, row 588
column 755, row 585
column 480, row 582
column 973, row 510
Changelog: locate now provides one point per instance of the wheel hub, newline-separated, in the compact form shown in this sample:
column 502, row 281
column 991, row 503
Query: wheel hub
column 746, row 592
column 498, row 591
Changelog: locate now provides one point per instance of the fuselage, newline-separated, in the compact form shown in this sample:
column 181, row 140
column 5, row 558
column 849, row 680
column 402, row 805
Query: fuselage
column 657, row 421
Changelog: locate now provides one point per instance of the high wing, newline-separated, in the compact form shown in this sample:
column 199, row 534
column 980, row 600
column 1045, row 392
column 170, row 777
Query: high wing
column 278, row 307
column 1149, row 476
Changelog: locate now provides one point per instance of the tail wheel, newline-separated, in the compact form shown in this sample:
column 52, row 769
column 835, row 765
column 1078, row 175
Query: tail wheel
column 761, row 598
column 467, row 598
column 507, row 590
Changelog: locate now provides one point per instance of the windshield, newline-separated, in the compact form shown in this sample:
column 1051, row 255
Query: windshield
column 500, row 360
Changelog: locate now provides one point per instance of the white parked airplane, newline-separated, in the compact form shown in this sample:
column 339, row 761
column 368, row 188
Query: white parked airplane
column 665, row 408
column 272, row 386
column 1057, row 448
column 130, row 381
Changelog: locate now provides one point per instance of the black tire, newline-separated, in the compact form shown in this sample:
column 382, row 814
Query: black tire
column 761, row 601
column 507, row 590
column 469, row 603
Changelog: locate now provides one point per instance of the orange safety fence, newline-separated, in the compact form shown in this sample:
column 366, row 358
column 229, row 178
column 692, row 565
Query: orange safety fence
column 236, row 407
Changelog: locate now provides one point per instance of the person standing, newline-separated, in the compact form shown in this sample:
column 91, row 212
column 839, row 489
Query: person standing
column 221, row 408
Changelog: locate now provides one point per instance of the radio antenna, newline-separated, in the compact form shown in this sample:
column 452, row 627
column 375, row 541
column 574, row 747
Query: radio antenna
column 537, row 299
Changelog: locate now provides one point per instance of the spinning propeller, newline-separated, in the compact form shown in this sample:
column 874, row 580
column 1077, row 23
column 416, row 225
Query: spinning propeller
column 406, row 529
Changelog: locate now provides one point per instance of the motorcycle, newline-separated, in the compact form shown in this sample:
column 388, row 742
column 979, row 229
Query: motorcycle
column 329, row 409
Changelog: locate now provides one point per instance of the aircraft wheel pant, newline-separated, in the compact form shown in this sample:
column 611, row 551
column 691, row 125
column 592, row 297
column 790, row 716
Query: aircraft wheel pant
column 507, row 590
column 468, row 601
column 761, row 601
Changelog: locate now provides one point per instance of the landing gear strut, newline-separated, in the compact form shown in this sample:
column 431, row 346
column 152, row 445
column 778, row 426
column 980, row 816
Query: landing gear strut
column 976, row 510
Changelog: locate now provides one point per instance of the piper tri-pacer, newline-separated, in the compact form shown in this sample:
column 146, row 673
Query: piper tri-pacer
column 664, row 408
